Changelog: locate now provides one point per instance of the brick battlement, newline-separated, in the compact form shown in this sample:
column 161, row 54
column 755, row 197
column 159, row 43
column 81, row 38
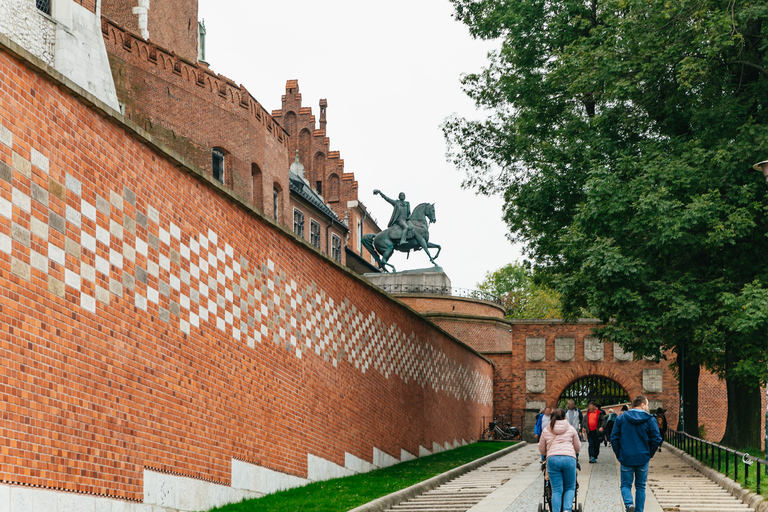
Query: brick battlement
column 121, row 42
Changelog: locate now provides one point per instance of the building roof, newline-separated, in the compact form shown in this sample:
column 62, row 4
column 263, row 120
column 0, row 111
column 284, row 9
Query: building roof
column 300, row 186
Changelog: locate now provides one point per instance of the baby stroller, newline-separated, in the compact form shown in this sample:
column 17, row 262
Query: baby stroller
column 547, row 505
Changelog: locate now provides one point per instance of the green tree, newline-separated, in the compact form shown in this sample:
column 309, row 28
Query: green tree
column 621, row 134
column 521, row 296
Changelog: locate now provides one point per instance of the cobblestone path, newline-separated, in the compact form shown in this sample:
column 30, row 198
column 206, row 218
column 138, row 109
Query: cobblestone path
column 515, row 483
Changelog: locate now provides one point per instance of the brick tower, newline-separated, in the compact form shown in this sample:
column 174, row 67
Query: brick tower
column 171, row 24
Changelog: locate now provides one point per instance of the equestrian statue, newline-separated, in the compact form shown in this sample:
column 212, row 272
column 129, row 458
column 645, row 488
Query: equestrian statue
column 405, row 232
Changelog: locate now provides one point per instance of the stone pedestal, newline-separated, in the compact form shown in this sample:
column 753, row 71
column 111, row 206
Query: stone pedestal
column 422, row 280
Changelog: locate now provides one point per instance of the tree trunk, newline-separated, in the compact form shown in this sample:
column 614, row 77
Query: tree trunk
column 689, row 391
column 743, row 427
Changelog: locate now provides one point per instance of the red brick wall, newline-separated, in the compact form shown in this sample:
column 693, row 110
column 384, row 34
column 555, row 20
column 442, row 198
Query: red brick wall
column 456, row 305
column 97, row 386
column 172, row 25
column 192, row 110
column 712, row 406
column 88, row 4
column 487, row 337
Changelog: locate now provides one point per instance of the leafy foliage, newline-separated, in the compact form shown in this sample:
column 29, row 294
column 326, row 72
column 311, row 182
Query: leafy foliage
column 622, row 137
column 521, row 296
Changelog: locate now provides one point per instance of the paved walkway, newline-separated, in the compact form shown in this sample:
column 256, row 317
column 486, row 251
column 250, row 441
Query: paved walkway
column 514, row 483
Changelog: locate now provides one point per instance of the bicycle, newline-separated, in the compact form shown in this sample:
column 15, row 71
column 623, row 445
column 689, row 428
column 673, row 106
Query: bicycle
column 497, row 432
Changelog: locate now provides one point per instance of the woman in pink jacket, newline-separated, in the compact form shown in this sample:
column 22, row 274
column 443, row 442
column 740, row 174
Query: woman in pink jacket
column 560, row 443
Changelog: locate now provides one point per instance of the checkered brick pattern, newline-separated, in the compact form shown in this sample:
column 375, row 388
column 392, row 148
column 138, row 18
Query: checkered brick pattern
column 247, row 302
column 151, row 320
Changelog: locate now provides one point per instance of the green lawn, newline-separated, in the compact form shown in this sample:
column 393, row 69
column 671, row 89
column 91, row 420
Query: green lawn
column 342, row 494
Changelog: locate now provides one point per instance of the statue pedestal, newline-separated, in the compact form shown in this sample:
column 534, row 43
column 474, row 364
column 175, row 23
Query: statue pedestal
column 422, row 280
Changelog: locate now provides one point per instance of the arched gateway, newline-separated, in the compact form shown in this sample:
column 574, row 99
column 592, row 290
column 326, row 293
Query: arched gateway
column 602, row 390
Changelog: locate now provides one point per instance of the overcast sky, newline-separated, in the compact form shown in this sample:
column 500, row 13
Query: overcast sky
column 390, row 72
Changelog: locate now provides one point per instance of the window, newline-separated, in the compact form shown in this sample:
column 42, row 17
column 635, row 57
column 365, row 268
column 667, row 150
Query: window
column 298, row 222
column 258, row 191
column 319, row 187
column 336, row 247
column 217, row 157
column 360, row 237
column 276, row 202
column 314, row 233
column 44, row 6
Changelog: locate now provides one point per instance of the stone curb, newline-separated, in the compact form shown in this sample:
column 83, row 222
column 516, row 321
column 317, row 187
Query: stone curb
column 406, row 494
column 751, row 499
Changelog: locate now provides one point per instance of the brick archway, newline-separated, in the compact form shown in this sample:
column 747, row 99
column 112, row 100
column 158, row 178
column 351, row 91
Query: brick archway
column 567, row 376
column 603, row 390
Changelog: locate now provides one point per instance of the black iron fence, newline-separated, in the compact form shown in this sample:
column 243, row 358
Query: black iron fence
column 726, row 460
column 441, row 290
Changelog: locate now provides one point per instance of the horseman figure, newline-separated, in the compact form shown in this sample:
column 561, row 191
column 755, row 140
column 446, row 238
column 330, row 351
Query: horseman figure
column 413, row 234
column 400, row 214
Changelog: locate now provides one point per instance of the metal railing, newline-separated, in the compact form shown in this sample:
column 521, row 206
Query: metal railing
column 441, row 290
column 719, row 457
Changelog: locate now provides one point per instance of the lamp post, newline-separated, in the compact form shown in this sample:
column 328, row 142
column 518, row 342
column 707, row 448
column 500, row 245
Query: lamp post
column 763, row 167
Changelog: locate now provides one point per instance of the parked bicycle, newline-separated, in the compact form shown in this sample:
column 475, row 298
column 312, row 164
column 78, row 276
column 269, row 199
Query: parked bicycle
column 498, row 431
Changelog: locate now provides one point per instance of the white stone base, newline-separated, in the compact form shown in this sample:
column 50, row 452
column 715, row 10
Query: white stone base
column 382, row 459
column 257, row 479
column 173, row 493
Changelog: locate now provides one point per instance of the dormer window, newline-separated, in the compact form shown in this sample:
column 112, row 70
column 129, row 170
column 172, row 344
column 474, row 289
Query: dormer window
column 217, row 156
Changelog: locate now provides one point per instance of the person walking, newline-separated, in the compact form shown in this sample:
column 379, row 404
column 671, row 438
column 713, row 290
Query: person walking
column 560, row 444
column 593, row 426
column 609, row 421
column 541, row 421
column 635, row 439
column 573, row 415
column 661, row 421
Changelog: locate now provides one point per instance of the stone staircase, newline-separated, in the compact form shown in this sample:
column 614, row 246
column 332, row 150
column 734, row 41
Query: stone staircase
column 679, row 487
column 464, row 492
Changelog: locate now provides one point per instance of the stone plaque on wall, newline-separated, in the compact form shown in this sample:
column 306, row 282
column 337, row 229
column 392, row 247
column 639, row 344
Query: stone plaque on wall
column 594, row 350
column 652, row 381
column 620, row 354
column 653, row 405
column 565, row 349
column 535, row 349
column 538, row 405
column 536, row 380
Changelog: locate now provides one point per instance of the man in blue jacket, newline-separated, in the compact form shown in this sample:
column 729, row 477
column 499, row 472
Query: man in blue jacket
column 635, row 439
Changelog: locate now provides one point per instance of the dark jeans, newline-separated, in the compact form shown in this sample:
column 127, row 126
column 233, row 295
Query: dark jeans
column 593, row 436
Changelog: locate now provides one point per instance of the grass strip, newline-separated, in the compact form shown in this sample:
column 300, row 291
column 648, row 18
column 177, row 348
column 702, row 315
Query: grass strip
column 342, row 494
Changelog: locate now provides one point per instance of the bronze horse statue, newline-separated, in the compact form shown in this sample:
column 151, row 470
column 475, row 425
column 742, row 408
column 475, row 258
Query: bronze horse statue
column 382, row 245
